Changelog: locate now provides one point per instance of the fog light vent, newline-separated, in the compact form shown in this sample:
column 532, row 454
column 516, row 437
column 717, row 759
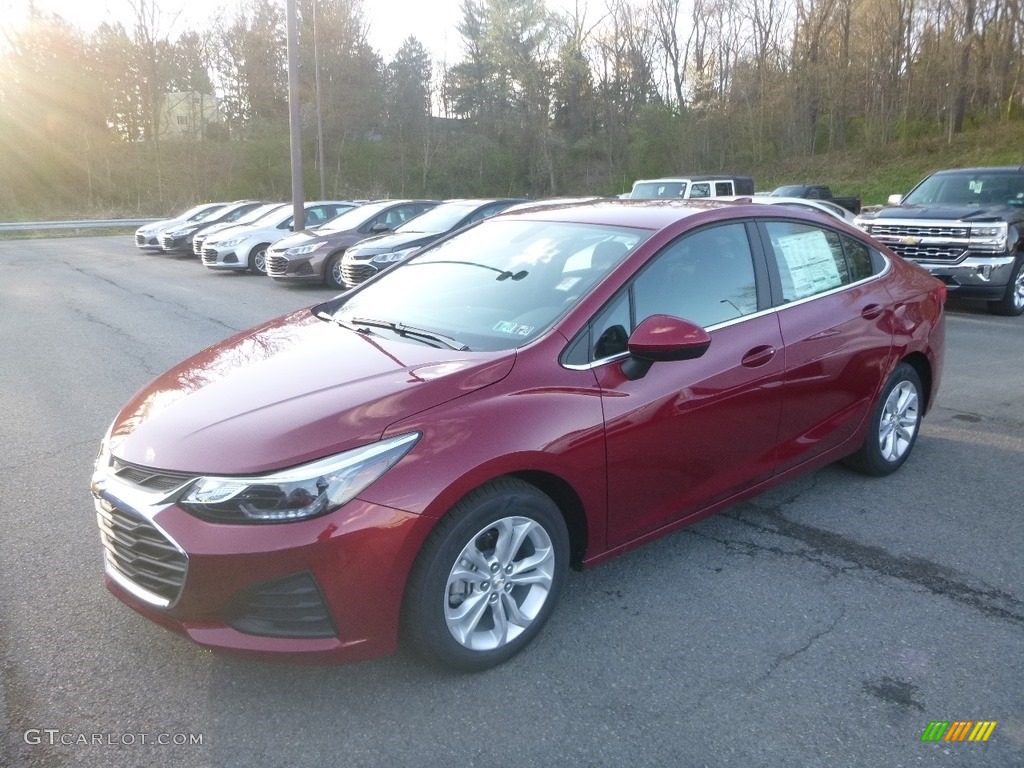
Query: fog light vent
column 288, row 607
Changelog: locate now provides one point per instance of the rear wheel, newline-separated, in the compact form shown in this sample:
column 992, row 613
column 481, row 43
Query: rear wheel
column 1012, row 303
column 258, row 259
column 895, row 423
column 488, row 576
column 332, row 271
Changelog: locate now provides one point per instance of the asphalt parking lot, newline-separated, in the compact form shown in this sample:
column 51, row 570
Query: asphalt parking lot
column 824, row 623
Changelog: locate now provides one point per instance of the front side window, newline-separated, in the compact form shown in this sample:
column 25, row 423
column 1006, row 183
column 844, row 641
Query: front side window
column 706, row 277
column 723, row 188
column 700, row 190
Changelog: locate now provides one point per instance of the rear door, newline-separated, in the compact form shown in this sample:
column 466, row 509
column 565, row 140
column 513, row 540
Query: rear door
column 836, row 324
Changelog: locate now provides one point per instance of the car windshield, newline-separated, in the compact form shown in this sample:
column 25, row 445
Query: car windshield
column 259, row 213
column 969, row 188
column 439, row 219
column 495, row 286
column 659, row 190
column 200, row 212
column 355, row 217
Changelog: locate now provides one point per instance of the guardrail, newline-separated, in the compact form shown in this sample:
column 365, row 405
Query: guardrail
column 30, row 226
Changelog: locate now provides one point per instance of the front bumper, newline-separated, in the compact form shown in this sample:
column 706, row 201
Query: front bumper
column 147, row 240
column 297, row 269
column 183, row 244
column 975, row 277
column 227, row 258
column 211, row 581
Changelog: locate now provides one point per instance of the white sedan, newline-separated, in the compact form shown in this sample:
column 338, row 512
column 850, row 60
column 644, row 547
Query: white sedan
column 244, row 247
column 802, row 203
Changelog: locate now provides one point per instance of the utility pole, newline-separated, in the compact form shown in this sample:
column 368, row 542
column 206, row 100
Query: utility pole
column 319, row 111
column 294, row 124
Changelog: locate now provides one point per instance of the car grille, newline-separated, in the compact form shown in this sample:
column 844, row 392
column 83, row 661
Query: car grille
column 277, row 266
column 354, row 274
column 924, row 252
column 149, row 479
column 209, row 255
column 197, row 245
column 166, row 241
column 140, row 239
column 920, row 230
column 140, row 553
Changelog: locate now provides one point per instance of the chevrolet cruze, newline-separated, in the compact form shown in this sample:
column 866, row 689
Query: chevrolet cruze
column 426, row 455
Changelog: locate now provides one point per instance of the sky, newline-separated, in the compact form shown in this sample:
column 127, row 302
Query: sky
column 433, row 22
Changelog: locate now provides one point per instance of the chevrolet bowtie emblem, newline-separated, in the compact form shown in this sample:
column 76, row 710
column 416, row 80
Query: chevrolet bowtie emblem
column 910, row 240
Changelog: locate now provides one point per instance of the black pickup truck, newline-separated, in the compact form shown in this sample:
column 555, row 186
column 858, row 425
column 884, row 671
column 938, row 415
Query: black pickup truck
column 816, row 192
column 966, row 227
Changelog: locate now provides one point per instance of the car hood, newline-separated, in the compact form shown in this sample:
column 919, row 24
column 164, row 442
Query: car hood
column 947, row 212
column 156, row 226
column 216, row 229
column 306, row 237
column 244, row 230
column 292, row 390
column 394, row 242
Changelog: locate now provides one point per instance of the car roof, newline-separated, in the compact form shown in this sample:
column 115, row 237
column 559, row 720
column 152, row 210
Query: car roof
column 645, row 214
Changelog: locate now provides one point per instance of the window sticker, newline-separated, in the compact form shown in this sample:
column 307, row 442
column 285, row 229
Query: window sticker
column 514, row 329
column 812, row 268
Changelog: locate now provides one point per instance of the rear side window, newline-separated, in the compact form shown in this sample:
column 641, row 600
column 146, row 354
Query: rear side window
column 812, row 260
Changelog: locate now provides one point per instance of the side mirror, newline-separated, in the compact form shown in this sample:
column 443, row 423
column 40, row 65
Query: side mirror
column 663, row 338
column 895, row 199
column 380, row 228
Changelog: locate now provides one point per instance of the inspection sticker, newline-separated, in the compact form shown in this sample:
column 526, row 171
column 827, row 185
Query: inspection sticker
column 515, row 329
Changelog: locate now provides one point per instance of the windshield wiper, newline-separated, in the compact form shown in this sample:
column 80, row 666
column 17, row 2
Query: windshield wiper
column 407, row 331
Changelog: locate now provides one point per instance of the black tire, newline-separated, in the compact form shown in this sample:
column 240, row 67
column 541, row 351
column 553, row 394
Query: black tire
column 258, row 256
column 1012, row 303
column 897, row 414
column 492, row 592
column 331, row 269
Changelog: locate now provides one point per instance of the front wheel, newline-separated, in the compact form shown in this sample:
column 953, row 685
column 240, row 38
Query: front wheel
column 1012, row 303
column 332, row 271
column 258, row 259
column 488, row 576
column 895, row 423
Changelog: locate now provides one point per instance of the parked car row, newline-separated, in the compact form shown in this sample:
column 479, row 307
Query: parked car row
column 259, row 237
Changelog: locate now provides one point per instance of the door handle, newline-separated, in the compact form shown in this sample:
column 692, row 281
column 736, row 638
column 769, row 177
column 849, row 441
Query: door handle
column 871, row 311
column 758, row 356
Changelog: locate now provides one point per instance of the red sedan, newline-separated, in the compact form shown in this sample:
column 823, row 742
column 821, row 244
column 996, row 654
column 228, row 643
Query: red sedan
column 428, row 453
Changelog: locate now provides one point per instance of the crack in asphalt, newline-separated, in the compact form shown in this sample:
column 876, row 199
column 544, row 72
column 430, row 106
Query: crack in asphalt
column 782, row 658
column 822, row 545
column 181, row 310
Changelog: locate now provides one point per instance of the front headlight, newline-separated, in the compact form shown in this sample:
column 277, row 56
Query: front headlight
column 990, row 237
column 393, row 257
column 298, row 493
column 103, row 456
column 231, row 242
column 302, row 250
